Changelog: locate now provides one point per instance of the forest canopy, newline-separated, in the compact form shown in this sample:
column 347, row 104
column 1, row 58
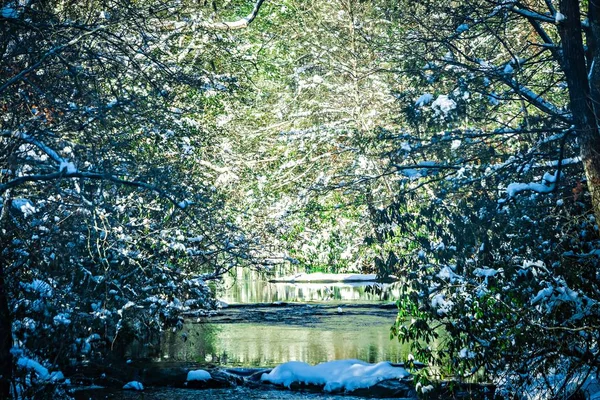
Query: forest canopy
column 148, row 147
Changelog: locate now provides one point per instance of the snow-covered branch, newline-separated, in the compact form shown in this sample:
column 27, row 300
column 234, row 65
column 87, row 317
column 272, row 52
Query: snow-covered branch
column 66, row 173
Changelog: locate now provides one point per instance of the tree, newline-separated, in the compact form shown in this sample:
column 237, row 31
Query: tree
column 106, row 209
column 492, row 227
column 307, row 130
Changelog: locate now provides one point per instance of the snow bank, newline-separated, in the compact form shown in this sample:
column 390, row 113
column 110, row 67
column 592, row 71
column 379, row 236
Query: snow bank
column 339, row 375
column 198, row 375
column 322, row 277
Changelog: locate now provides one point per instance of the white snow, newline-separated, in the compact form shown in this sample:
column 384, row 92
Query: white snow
column 62, row 319
column 9, row 12
column 198, row 375
column 411, row 173
column 485, row 272
column 542, row 294
column 515, row 188
column 443, row 105
column 323, row 277
column 447, row 273
column 338, row 375
column 133, row 385
column 462, row 28
column 558, row 18
column 440, row 303
column 68, row 165
column 42, row 288
column 30, row 364
column 41, row 371
column 466, row 353
column 424, row 99
column 25, row 206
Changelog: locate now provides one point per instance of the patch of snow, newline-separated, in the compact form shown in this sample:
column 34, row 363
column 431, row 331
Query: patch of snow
column 508, row 69
column 29, row 364
column 550, row 178
column 485, row 272
column 68, row 165
column 133, row 385
column 465, row 353
column 443, row 105
column 336, row 376
column 515, row 188
column 57, row 376
column 559, row 17
column 42, row 288
column 542, row 294
column 411, row 173
column 424, row 99
column 447, row 273
column 9, row 12
column 462, row 28
column 323, row 277
column 62, row 319
column 25, row 206
column 440, row 303
column 198, row 375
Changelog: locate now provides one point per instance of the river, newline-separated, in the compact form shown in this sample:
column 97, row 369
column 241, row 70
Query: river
column 263, row 324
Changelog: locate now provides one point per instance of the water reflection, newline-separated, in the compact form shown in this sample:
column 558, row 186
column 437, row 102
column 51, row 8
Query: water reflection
column 251, row 287
column 359, row 333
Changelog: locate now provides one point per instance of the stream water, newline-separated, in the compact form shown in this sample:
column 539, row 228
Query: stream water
column 317, row 322
column 264, row 324
column 267, row 336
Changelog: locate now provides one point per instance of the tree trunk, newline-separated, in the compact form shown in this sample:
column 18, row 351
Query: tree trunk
column 5, row 340
column 6, row 364
column 581, row 96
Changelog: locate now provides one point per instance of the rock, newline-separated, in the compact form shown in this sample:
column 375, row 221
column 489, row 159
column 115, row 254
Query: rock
column 165, row 376
column 463, row 391
column 219, row 379
column 390, row 388
column 247, row 372
column 255, row 377
column 396, row 388
column 226, row 378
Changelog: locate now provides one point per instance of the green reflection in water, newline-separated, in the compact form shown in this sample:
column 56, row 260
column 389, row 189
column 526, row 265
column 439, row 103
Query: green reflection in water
column 364, row 337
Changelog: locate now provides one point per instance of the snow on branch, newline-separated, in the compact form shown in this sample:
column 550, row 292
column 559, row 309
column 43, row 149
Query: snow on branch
column 69, row 173
column 37, row 143
column 532, row 15
column 548, row 185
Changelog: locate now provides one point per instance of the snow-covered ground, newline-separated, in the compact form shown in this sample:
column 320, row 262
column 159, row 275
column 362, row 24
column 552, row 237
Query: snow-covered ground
column 335, row 376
